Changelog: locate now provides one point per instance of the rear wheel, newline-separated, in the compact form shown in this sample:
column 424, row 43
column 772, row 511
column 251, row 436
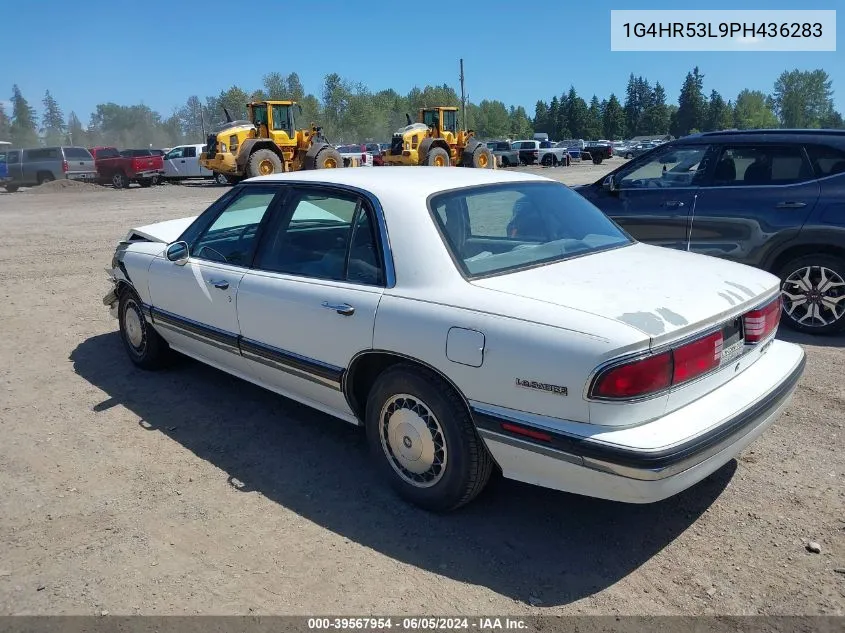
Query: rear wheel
column 597, row 160
column 45, row 176
column 11, row 188
column 264, row 162
column 145, row 182
column 437, row 157
column 119, row 180
column 813, row 293
column 424, row 441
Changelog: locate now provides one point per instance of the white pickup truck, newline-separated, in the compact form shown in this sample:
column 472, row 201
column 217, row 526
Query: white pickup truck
column 355, row 155
column 543, row 153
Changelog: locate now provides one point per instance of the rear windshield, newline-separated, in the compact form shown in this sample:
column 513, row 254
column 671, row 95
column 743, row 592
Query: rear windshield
column 495, row 229
column 108, row 152
column 136, row 152
column 77, row 152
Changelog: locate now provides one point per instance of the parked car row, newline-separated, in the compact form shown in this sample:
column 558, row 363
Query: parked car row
column 29, row 167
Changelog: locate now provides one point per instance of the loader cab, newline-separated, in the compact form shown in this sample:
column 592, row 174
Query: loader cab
column 443, row 120
column 274, row 120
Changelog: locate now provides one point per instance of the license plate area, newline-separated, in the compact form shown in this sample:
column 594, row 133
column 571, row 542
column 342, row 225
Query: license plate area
column 733, row 341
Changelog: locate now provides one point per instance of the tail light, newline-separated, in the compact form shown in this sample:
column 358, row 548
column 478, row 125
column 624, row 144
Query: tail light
column 65, row 168
column 759, row 324
column 653, row 374
column 610, row 151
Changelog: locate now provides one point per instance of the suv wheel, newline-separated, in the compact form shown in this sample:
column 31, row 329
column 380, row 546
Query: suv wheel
column 813, row 293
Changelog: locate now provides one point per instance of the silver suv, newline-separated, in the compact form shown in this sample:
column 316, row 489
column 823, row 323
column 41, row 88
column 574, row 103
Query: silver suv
column 37, row 165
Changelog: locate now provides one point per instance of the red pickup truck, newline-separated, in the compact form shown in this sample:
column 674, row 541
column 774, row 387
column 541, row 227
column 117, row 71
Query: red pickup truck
column 130, row 165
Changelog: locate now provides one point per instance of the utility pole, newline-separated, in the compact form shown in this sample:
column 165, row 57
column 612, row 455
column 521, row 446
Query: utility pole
column 463, row 98
column 202, row 123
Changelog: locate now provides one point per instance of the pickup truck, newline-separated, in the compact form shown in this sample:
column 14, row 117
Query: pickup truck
column 598, row 151
column 543, row 153
column 127, row 166
column 504, row 153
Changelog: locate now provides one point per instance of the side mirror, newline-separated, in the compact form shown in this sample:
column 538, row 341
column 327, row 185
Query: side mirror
column 609, row 184
column 177, row 253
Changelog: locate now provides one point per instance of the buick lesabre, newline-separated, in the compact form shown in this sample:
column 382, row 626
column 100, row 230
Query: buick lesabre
column 468, row 319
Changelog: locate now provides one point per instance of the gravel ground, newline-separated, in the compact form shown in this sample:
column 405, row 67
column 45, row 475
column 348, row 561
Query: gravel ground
column 189, row 491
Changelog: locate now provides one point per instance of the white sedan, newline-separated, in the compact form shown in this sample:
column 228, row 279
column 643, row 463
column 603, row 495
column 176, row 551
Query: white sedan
column 469, row 319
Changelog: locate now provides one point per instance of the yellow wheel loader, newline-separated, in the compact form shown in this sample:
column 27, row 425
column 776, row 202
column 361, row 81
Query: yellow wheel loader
column 267, row 143
column 435, row 140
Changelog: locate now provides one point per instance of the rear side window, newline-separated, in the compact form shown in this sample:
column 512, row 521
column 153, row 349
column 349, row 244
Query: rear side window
column 108, row 152
column 48, row 153
column 755, row 165
column 190, row 152
column 77, row 152
column 826, row 160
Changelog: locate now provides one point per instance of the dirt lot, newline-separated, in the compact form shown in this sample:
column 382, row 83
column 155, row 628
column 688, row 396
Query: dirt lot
column 191, row 492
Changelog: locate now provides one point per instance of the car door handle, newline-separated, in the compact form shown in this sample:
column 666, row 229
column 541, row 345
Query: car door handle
column 341, row 308
column 220, row 284
column 673, row 204
column 791, row 205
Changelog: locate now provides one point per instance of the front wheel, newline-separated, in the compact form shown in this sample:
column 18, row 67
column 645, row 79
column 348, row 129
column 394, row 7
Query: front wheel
column 813, row 293
column 145, row 347
column 11, row 188
column 424, row 441
column 145, row 182
column 437, row 157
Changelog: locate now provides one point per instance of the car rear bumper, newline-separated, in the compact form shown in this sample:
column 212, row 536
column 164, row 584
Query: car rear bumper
column 585, row 464
column 82, row 175
column 151, row 173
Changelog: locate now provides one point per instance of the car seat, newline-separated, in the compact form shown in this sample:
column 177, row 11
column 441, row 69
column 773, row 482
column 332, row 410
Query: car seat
column 725, row 171
column 528, row 222
column 456, row 226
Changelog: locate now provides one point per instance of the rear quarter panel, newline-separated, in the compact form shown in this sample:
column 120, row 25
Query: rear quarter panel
column 514, row 348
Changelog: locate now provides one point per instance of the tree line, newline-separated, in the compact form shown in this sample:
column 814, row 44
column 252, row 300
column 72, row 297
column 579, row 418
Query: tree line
column 348, row 112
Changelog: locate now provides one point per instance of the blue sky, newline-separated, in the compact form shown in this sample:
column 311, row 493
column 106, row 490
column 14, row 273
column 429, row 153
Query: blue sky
column 100, row 50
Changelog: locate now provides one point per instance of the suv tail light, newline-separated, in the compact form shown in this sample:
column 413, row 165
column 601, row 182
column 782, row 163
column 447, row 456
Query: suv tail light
column 759, row 324
column 65, row 167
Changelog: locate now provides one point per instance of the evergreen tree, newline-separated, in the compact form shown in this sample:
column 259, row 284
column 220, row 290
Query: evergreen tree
column 594, row 127
column 554, row 116
column 655, row 118
column 52, row 121
column 613, row 122
column 22, row 129
column 75, row 132
column 541, row 117
column 4, row 124
column 577, row 114
column 692, row 106
column 717, row 111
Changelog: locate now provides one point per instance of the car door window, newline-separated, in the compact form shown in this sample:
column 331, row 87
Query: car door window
column 757, row 165
column 325, row 235
column 190, row 152
column 231, row 237
column 826, row 161
column 672, row 167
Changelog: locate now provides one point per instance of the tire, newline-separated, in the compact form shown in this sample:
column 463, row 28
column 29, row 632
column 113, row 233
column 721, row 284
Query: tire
column 119, row 180
column 145, row 182
column 547, row 160
column 145, row 347
column 328, row 158
column 437, row 157
column 597, row 160
column 263, row 162
column 11, row 188
column 629, row 155
column 823, row 319
column 480, row 158
column 465, row 463
column 221, row 178
column 45, row 177
column 505, row 162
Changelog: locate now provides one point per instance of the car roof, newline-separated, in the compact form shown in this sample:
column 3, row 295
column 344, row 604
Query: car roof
column 420, row 181
column 765, row 136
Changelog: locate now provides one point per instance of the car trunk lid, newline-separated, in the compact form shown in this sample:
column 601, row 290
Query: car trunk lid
column 664, row 293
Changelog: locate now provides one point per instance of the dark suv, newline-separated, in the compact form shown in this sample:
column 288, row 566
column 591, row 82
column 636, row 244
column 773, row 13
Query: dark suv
column 774, row 199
